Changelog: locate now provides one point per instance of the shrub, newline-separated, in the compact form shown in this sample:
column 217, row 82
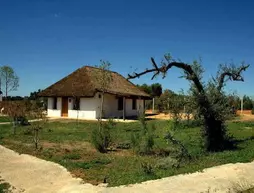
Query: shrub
column 101, row 137
column 4, row 187
column 23, row 121
column 124, row 145
column 135, row 141
column 166, row 163
column 28, row 131
column 93, row 163
column 143, row 142
column 252, row 111
column 147, row 167
column 147, row 144
column 73, row 156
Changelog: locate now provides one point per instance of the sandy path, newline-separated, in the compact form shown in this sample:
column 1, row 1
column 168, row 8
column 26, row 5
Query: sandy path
column 33, row 175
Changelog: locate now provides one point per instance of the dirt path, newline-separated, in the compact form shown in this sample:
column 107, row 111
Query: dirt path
column 30, row 174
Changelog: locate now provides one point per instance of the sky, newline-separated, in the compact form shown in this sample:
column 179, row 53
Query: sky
column 45, row 40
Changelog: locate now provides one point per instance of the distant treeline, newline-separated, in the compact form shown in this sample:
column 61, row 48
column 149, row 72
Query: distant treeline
column 163, row 98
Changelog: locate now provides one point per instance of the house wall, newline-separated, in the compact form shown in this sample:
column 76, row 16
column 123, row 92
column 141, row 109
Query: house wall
column 54, row 112
column 88, row 108
column 134, row 112
column 111, row 107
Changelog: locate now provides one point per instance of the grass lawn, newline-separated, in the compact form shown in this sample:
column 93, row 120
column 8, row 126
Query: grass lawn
column 4, row 187
column 68, row 143
column 4, row 119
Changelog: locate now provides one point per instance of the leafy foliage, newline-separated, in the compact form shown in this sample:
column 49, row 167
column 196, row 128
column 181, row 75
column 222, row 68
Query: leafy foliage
column 101, row 137
column 143, row 141
column 9, row 79
column 208, row 98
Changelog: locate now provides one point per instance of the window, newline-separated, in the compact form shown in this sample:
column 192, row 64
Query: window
column 134, row 104
column 76, row 103
column 120, row 103
column 55, row 103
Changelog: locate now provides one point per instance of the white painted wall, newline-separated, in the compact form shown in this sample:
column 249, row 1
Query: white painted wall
column 111, row 107
column 54, row 112
column 134, row 112
column 90, row 107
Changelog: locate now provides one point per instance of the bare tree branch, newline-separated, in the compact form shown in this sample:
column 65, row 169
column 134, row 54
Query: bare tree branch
column 232, row 73
column 190, row 74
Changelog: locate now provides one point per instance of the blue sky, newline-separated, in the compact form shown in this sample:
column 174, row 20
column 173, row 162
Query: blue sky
column 45, row 40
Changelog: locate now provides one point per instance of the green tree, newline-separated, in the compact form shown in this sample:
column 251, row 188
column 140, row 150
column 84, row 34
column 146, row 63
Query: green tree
column 9, row 79
column 104, row 79
column 34, row 95
column 156, row 90
column 208, row 97
column 165, row 100
column 146, row 88
column 247, row 103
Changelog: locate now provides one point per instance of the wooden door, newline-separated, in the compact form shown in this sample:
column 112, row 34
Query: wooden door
column 64, row 107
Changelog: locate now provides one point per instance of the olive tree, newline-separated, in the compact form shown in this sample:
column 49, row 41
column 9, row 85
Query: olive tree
column 214, row 129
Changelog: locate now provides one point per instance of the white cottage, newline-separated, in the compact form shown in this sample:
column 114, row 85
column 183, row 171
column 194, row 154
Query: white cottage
column 79, row 95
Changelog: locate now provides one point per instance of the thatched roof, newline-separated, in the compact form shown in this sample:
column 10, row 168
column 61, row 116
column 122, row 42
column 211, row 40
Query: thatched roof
column 84, row 82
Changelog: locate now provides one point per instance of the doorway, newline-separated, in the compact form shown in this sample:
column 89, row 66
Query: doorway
column 64, row 107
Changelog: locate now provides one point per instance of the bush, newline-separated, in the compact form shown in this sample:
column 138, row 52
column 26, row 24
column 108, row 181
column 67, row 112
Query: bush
column 28, row 131
column 143, row 142
column 147, row 144
column 252, row 111
column 135, row 140
column 72, row 156
column 147, row 167
column 101, row 137
column 4, row 187
column 124, row 145
column 93, row 163
column 166, row 163
column 23, row 121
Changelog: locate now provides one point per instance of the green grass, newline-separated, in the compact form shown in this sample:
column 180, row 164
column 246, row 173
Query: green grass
column 68, row 143
column 248, row 191
column 4, row 119
column 4, row 187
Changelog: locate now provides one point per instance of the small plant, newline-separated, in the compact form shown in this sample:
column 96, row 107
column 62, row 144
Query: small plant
column 143, row 142
column 101, row 138
column 4, row 187
column 36, row 112
column 93, row 163
column 124, row 145
column 147, row 167
column 252, row 111
column 166, row 163
column 135, row 141
column 72, row 156
column 147, row 144
column 182, row 151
